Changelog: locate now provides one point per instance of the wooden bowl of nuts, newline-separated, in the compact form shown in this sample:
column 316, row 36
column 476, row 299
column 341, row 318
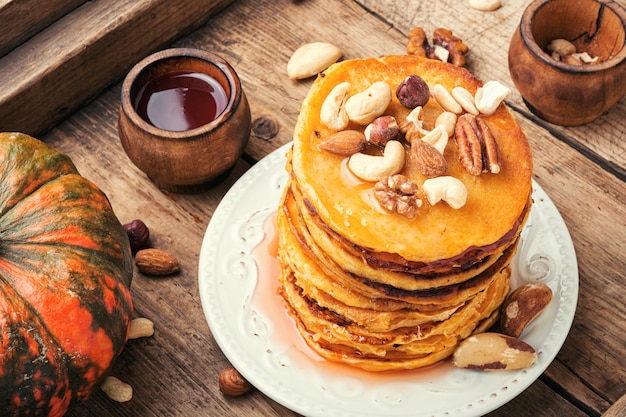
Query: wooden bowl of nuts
column 184, row 118
column 569, row 61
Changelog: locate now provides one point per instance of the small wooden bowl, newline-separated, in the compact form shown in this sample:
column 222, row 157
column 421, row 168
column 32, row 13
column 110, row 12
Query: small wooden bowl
column 184, row 161
column 559, row 92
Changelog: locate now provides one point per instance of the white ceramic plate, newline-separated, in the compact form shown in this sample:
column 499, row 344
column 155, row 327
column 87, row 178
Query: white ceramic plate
column 249, row 324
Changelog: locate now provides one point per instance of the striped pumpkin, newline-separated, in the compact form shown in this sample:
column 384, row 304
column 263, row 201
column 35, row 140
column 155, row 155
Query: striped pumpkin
column 65, row 274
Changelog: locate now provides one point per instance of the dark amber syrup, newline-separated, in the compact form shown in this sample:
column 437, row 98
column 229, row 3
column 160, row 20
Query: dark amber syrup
column 181, row 100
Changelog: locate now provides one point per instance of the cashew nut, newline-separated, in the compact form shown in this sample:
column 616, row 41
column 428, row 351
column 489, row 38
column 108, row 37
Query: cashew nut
column 465, row 99
column 438, row 137
column 367, row 105
column 333, row 112
column 373, row 168
column 441, row 53
column 140, row 327
column 485, row 5
column 117, row 390
column 562, row 47
column 447, row 121
column 445, row 99
column 312, row 58
column 489, row 96
column 446, row 188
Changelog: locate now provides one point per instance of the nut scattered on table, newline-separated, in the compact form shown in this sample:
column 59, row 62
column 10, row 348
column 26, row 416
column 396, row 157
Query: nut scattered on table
column 232, row 383
column 140, row 327
column 493, row 352
column 138, row 235
column 117, row 390
column 156, row 262
column 312, row 58
column 485, row 5
column 442, row 38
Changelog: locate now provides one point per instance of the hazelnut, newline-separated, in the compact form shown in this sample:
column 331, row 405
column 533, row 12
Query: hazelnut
column 381, row 130
column 413, row 92
column 233, row 383
column 138, row 235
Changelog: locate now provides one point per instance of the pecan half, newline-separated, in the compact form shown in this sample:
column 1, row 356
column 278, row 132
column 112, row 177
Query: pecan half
column 428, row 160
column 491, row 154
column 477, row 147
column 398, row 194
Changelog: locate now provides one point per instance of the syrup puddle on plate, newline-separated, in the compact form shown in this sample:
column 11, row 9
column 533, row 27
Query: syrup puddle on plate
column 268, row 303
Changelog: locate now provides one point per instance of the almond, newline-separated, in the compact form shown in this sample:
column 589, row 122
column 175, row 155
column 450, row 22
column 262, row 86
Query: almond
column 428, row 160
column 345, row 142
column 522, row 306
column 156, row 262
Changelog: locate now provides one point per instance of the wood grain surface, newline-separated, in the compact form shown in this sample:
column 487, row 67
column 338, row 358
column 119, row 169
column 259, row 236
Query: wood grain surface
column 583, row 170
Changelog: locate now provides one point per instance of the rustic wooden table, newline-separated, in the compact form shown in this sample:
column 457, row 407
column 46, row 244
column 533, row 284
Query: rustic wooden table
column 582, row 169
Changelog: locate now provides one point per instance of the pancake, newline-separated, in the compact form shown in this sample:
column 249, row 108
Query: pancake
column 377, row 289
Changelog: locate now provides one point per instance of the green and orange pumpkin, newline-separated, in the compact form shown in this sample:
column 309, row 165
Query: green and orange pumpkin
column 65, row 275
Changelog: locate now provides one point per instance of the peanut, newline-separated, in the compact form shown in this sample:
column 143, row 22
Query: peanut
column 465, row 99
column 445, row 99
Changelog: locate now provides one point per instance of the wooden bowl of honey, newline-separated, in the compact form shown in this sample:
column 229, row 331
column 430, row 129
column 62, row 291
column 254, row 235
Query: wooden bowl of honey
column 184, row 118
column 568, row 59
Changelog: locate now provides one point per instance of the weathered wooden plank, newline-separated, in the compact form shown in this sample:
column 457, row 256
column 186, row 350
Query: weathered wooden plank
column 21, row 19
column 618, row 409
column 69, row 63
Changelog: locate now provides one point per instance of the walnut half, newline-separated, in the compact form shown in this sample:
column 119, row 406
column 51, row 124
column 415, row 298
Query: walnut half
column 453, row 48
column 398, row 194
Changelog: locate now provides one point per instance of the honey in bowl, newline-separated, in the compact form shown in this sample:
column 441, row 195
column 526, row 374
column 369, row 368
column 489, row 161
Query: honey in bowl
column 180, row 100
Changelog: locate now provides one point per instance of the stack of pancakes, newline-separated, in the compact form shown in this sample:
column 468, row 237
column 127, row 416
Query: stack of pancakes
column 376, row 289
